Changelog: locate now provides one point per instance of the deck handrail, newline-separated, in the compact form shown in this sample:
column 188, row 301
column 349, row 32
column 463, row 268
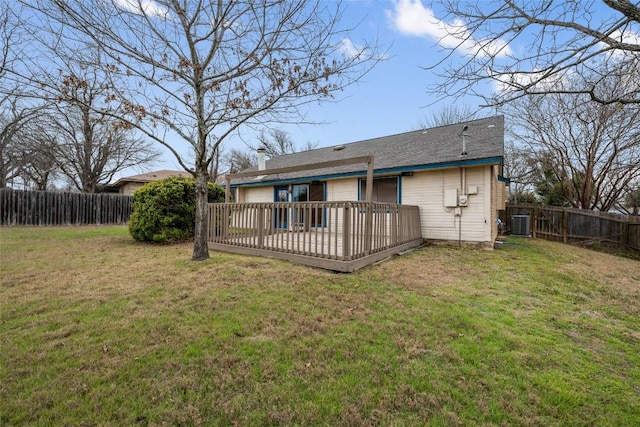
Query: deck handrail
column 342, row 230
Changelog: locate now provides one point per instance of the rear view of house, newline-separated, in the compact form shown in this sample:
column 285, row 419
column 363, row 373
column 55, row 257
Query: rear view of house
column 451, row 173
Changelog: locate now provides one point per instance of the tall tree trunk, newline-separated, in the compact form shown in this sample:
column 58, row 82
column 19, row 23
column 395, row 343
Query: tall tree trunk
column 200, row 244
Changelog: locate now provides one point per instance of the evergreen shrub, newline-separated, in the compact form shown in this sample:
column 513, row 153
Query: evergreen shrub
column 165, row 210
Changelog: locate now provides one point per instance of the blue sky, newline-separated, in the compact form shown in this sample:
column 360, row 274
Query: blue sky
column 390, row 99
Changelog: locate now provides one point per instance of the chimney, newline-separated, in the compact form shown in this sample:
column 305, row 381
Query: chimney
column 261, row 162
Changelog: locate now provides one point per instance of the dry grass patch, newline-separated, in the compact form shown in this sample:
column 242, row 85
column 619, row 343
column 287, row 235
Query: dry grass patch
column 99, row 330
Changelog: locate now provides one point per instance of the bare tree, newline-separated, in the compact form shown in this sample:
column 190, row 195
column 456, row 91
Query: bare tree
column 40, row 172
column 14, row 113
column 14, row 155
column 563, row 38
column 71, row 129
column 278, row 143
column 520, row 166
column 196, row 72
column 449, row 115
column 239, row 160
column 91, row 145
column 631, row 202
column 6, row 36
column 592, row 149
column 38, row 145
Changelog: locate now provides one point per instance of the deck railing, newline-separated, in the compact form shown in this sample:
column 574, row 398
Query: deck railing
column 341, row 231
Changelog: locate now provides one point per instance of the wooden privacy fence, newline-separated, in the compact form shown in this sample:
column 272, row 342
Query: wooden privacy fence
column 24, row 207
column 570, row 225
column 340, row 236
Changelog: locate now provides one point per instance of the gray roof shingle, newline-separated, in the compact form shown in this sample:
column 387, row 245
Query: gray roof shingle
column 435, row 147
column 150, row 177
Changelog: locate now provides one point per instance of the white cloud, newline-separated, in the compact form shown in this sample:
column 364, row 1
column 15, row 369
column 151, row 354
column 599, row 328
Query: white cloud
column 508, row 82
column 148, row 7
column 412, row 18
column 348, row 48
column 629, row 37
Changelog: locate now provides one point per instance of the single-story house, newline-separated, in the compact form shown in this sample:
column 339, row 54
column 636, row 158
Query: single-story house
column 127, row 185
column 451, row 175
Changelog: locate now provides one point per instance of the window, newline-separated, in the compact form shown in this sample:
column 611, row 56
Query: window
column 316, row 192
column 313, row 192
column 300, row 193
column 385, row 190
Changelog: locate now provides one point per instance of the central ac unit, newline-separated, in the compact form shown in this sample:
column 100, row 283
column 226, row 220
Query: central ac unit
column 521, row 225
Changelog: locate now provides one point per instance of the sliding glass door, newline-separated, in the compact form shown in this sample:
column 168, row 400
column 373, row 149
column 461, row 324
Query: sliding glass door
column 281, row 215
column 298, row 217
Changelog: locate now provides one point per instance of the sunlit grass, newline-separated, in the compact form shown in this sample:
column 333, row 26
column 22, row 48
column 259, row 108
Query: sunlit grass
column 100, row 330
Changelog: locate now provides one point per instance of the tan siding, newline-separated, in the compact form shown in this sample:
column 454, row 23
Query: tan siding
column 251, row 195
column 476, row 218
column 426, row 190
column 342, row 190
column 257, row 195
column 130, row 187
column 339, row 190
column 493, row 201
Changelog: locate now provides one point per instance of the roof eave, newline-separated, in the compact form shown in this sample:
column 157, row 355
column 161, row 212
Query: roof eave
column 400, row 169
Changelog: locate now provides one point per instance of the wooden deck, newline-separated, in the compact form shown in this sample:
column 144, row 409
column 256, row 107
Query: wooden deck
column 340, row 236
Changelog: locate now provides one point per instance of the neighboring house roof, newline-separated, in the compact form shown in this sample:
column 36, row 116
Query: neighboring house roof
column 150, row 176
column 423, row 149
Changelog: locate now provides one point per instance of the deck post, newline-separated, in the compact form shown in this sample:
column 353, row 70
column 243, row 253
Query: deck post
column 224, row 228
column 369, row 192
column 261, row 227
column 227, row 188
column 395, row 214
column 368, row 225
column 346, row 232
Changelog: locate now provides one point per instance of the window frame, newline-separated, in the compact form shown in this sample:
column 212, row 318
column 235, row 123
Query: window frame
column 362, row 182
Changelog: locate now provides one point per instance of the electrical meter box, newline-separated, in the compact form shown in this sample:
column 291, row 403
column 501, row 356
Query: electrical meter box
column 451, row 198
column 463, row 200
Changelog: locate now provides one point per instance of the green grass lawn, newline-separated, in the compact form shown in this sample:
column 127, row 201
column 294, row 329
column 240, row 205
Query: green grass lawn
column 100, row 330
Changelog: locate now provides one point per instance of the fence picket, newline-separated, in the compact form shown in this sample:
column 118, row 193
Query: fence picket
column 571, row 224
column 25, row 207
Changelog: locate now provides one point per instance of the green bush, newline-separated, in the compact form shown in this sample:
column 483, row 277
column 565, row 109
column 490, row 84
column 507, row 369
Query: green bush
column 165, row 210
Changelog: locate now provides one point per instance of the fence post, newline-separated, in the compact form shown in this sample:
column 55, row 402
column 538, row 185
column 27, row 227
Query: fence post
column 534, row 222
column 565, row 226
